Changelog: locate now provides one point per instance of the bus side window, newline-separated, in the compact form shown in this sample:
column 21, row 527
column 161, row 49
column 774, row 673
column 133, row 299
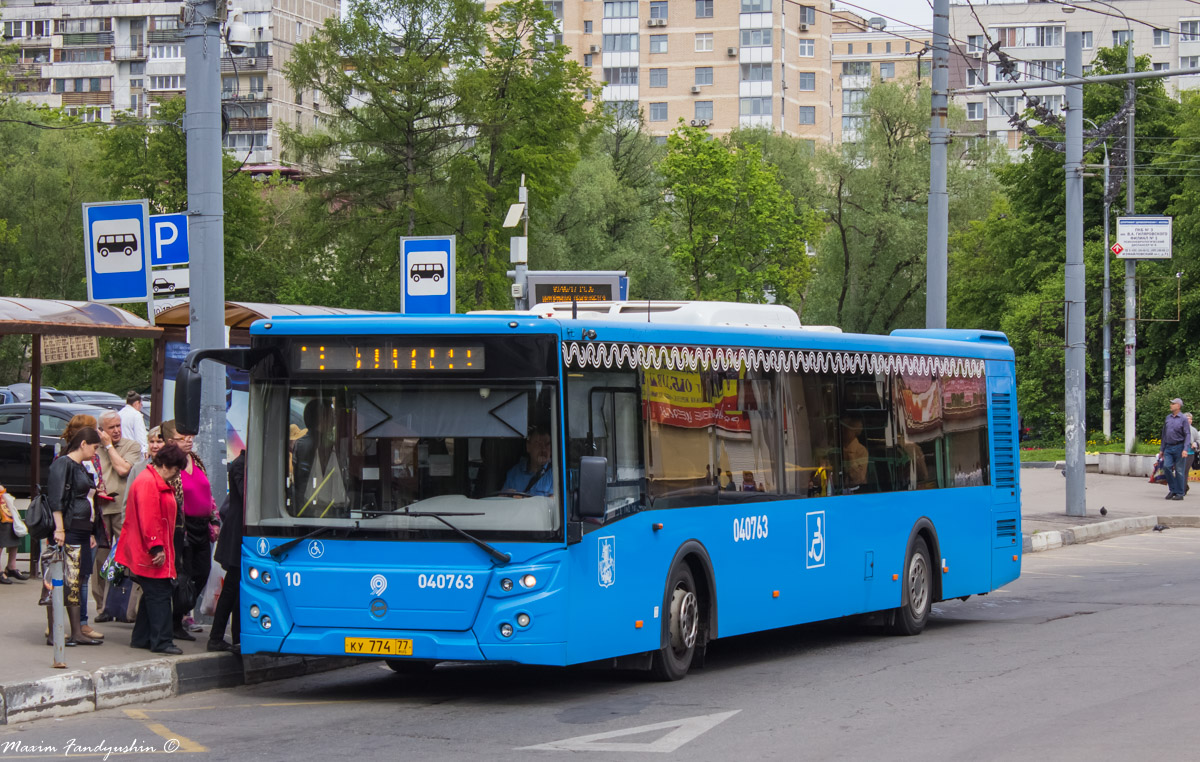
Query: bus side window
column 604, row 421
column 812, row 459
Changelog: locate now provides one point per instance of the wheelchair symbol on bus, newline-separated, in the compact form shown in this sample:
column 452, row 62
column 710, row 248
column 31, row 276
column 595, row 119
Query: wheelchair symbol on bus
column 815, row 532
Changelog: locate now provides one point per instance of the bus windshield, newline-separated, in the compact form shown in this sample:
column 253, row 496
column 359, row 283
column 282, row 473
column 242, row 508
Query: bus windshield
column 364, row 454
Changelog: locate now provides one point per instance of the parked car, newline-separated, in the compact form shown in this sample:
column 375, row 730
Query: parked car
column 7, row 396
column 24, row 392
column 90, row 398
column 15, row 436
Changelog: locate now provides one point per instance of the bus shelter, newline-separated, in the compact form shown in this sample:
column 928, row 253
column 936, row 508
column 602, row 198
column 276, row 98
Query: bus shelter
column 54, row 317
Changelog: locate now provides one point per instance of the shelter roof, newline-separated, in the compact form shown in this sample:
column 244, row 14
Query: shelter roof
column 63, row 318
column 242, row 314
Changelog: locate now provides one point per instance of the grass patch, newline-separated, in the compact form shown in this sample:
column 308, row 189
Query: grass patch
column 1060, row 453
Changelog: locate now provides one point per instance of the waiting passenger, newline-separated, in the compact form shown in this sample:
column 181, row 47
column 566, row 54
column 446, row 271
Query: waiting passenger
column 532, row 475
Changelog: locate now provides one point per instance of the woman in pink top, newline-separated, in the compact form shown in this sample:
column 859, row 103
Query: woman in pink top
column 199, row 523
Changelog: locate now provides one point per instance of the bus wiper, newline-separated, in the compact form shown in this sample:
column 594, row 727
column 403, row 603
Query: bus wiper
column 496, row 555
column 279, row 550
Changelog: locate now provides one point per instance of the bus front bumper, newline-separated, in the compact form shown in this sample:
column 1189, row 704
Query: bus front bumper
column 432, row 646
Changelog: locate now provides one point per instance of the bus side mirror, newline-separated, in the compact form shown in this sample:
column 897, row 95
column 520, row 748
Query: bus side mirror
column 187, row 400
column 593, row 482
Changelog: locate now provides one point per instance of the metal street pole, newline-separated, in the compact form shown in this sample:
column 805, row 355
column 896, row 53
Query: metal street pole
column 1076, row 423
column 206, row 230
column 1130, row 271
column 939, row 203
column 1107, row 293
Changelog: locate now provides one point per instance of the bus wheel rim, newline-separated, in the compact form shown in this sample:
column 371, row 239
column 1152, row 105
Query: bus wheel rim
column 685, row 619
column 918, row 585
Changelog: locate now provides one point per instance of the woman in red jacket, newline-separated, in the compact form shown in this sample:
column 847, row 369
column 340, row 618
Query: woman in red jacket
column 147, row 549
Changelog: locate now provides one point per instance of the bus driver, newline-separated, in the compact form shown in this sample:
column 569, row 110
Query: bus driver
column 531, row 475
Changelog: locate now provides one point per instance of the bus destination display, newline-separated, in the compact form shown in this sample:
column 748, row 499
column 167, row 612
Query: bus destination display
column 390, row 357
column 544, row 293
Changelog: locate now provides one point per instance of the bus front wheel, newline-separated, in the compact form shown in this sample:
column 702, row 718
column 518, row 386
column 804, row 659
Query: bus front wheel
column 917, row 593
column 674, row 659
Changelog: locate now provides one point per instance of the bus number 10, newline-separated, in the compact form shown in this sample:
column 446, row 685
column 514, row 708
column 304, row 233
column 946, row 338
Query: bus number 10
column 293, row 578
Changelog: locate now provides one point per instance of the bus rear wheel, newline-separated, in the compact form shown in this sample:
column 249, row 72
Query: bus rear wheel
column 410, row 667
column 674, row 659
column 917, row 594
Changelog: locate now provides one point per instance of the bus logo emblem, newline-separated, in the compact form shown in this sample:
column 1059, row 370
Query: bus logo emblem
column 814, row 525
column 606, row 564
column 316, row 549
column 264, row 547
column 378, row 585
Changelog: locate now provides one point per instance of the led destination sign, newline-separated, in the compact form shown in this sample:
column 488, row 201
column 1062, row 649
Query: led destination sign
column 397, row 357
column 566, row 292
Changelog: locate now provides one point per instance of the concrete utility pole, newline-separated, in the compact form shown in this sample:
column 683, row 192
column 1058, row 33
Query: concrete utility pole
column 1107, row 294
column 206, row 229
column 1076, row 428
column 1130, row 270
column 939, row 201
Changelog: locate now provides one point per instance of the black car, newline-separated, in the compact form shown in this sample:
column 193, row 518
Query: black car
column 90, row 397
column 15, row 435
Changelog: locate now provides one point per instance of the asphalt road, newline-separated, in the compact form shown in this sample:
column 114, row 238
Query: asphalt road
column 1091, row 655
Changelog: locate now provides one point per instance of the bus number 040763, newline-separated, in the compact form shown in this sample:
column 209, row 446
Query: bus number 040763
column 444, row 581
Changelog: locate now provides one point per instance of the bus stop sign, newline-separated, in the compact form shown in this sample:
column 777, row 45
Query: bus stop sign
column 116, row 243
column 427, row 267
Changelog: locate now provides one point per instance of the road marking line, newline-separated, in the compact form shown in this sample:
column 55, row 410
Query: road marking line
column 184, row 744
column 682, row 731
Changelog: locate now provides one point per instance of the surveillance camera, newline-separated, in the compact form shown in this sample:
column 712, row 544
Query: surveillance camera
column 238, row 35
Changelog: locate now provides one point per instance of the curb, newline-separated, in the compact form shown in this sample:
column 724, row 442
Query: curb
column 1104, row 530
column 1037, row 464
column 77, row 692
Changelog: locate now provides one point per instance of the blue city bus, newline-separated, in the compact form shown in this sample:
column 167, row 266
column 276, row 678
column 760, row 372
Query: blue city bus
column 619, row 483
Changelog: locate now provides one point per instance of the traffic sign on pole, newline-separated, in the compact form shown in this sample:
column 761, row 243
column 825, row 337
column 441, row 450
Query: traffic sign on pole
column 116, row 236
column 427, row 267
column 1117, row 249
column 168, row 239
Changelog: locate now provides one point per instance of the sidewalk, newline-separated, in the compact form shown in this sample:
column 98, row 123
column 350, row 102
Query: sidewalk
column 1132, row 503
column 98, row 677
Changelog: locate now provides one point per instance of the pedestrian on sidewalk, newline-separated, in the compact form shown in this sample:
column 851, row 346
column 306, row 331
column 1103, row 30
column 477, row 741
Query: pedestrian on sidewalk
column 117, row 456
column 229, row 556
column 148, row 548
column 200, row 524
column 1191, row 454
column 9, row 540
column 70, row 490
column 133, row 424
column 1176, row 438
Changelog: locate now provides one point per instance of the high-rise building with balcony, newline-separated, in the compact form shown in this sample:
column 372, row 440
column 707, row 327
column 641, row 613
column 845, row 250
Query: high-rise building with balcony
column 1032, row 36
column 720, row 63
column 97, row 58
column 866, row 51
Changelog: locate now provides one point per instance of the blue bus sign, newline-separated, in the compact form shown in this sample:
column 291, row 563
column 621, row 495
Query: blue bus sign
column 427, row 267
column 115, row 239
column 168, row 239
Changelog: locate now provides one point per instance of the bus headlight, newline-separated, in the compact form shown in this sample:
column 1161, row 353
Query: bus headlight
column 266, row 577
column 528, row 580
column 253, row 573
column 523, row 620
column 266, row 622
column 506, row 584
column 254, row 612
column 506, row 630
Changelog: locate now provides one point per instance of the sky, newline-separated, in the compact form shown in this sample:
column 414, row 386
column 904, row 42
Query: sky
column 912, row 12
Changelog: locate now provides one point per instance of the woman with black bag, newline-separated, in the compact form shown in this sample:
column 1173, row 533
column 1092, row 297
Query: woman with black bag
column 70, row 490
column 229, row 556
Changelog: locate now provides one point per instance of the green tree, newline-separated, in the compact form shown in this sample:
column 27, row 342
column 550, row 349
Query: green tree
column 871, row 260
column 604, row 218
column 732, row 229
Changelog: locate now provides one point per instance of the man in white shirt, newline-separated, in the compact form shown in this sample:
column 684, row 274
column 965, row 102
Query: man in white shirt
column 133, row 425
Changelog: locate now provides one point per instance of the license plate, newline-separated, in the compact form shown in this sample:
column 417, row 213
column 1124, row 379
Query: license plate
column 381, row 646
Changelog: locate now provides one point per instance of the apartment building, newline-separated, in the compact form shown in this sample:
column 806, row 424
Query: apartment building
column 96, row 59
column 867, row 51
column 720, row 63
column 1032, row 33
